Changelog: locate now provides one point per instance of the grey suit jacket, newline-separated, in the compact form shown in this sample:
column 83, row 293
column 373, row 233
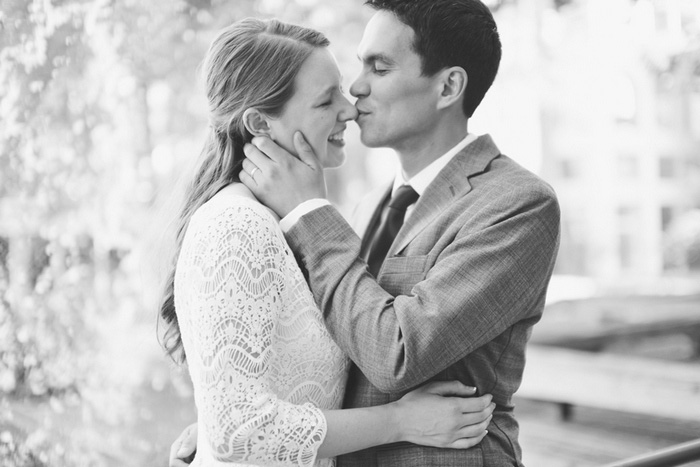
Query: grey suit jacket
column 456, row 298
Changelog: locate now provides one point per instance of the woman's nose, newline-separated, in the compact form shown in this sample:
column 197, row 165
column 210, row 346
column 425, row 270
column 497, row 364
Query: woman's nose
column 348, row 111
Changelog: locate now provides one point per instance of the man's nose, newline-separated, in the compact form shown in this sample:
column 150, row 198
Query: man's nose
column 359, row 87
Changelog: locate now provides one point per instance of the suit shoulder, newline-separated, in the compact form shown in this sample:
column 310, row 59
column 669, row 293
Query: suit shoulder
column 514, row 179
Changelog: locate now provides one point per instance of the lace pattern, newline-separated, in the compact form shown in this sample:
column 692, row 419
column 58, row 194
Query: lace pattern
column 260, row 358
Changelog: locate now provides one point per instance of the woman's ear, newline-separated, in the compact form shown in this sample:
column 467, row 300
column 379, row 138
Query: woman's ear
column 256, row 122
column 453, row 84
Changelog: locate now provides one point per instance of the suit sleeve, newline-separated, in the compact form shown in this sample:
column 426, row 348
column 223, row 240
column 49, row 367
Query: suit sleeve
column 482, row 283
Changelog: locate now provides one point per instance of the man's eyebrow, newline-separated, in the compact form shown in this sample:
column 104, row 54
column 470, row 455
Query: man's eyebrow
column 378, row 57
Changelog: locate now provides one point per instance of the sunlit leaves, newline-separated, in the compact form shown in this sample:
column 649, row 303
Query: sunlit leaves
column 99, row 106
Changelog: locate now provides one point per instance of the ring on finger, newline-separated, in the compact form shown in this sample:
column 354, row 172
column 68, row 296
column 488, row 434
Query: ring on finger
column 252, row 172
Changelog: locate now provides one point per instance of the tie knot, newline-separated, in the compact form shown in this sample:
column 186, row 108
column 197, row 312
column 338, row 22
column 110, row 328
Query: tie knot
column 404, row 197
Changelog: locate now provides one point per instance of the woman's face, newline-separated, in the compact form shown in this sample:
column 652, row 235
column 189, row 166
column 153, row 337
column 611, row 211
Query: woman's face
column 318, row 109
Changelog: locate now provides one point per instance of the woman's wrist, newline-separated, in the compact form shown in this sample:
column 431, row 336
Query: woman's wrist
column 395, row 428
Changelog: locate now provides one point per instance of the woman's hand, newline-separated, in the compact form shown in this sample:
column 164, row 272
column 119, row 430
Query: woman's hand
column 184, row 447
column 442, row 414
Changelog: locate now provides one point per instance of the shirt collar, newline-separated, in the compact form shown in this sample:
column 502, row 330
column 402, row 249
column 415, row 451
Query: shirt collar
column 422, row 179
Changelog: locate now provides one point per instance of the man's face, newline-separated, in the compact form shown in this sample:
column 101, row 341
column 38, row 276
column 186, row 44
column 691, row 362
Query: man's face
column 396, row 103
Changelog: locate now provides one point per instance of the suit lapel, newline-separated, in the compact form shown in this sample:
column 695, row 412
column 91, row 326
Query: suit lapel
column 451, row 183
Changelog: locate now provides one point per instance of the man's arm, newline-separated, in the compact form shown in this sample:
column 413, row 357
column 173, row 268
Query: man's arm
column 488, row 278
column 479, row 286
column 279, row 180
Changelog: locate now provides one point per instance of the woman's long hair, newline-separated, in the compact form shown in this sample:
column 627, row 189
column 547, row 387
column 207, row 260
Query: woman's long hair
column 251, row 64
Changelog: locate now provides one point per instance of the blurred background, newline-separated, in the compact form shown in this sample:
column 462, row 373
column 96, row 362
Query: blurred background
column 102, row 112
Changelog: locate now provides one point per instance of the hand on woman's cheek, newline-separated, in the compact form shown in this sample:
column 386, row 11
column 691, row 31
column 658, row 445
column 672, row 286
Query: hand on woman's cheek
column 282, row 181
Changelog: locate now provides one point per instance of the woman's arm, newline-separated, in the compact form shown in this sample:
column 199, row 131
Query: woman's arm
column 230, row 293
column 425, row 416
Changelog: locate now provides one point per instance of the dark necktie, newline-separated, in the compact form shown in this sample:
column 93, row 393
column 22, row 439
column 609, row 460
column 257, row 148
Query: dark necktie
column 392, row 220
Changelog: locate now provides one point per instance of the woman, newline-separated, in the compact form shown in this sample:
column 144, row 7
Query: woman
column 268, row 378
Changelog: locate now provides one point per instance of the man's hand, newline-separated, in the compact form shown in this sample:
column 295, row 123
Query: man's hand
column 278, row 179
column 183, row 449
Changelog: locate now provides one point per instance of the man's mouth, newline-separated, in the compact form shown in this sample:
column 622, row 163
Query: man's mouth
column 361, row 113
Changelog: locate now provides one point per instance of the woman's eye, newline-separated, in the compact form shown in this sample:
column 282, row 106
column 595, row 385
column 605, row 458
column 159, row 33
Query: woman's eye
column 325, row 104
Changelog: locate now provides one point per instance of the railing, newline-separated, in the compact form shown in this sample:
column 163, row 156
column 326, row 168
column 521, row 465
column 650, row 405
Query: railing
column 623, row 383
column 668, row 457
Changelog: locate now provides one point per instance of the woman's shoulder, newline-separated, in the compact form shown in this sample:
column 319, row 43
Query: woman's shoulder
column 236, row 191
column 235, row 200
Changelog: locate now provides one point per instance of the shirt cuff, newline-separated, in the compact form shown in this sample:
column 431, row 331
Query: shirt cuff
column 306, row 207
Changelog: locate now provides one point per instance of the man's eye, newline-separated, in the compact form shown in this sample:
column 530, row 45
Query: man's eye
column 325, row 104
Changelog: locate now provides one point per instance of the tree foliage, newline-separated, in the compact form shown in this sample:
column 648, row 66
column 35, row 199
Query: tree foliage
column 99, row 106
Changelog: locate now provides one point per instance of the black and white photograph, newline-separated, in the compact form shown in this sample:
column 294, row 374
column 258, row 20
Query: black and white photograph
column 350, row 233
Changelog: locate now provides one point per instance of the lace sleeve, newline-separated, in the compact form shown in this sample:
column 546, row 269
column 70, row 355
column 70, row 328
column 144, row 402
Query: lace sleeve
column 235, row 289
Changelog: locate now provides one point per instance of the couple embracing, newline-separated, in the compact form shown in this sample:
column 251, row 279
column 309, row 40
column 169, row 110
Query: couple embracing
column 399, row 340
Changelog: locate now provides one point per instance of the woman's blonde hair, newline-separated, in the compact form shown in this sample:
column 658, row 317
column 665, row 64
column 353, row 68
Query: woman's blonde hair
column 250, row 64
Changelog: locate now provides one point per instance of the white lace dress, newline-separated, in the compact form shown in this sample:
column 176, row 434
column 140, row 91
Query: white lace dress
column 261, row 360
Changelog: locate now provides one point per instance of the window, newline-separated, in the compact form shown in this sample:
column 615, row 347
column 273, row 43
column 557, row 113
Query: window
column 625, row 246
column 627, row 166
column 694, row 110
column 670, row 102
column 628, row 222
column 666, row 217
column 623, row 99
column 568, row 168
column 667, row 167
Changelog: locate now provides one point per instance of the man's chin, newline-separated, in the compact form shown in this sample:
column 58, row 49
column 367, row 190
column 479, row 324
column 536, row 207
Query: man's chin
column 371, row 141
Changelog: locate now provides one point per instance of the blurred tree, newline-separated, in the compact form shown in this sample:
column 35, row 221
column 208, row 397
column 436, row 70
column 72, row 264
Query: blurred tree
column 41, row 55
column 99, row 109
column 75, row 182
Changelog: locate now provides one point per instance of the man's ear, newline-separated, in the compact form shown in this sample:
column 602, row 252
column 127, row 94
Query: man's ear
column 256, row 122
column 453, row 84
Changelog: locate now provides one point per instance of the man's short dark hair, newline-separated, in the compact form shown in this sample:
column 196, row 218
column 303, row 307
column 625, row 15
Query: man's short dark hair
column 452, row 33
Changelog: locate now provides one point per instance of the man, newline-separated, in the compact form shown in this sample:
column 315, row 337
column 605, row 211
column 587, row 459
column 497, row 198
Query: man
column 453, row 292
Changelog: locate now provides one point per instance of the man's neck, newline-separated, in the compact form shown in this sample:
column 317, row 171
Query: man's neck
column 424, row 150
